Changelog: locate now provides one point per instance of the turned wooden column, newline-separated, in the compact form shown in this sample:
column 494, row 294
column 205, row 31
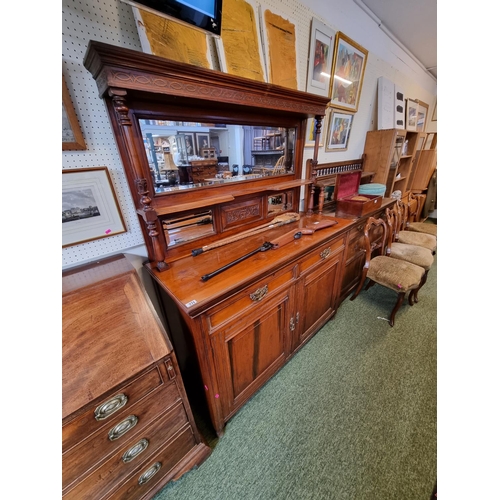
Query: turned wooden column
column 314, row 163
column 146, row 211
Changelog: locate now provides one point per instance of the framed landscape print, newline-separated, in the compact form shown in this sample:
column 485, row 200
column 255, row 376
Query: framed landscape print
column 348, row 71
column 339, row 130
column 320, row 58
column 90, row 209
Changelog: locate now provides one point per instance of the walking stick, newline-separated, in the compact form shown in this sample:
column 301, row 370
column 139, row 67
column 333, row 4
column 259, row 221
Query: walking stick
column 278, row 221
column 277, row 243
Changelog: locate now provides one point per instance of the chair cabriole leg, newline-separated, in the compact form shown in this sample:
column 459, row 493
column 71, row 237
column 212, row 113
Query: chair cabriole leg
column 401, row 296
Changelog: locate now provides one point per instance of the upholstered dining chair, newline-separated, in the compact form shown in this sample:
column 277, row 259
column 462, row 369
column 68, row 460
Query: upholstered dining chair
column 401, row 276
column 419, row 227
column 412, row 237
column 415, row 254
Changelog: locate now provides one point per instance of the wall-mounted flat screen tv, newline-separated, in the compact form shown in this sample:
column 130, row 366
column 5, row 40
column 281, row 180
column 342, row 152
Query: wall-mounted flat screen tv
column 202, row 14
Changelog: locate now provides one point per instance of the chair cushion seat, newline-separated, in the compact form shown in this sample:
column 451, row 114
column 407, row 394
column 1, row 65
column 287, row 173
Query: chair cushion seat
column 420, row 239
column 395, row 274
column 420, row 256
column 423, row 227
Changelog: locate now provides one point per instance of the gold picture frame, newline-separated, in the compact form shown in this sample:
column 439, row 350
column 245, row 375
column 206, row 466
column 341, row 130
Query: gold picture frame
column 310, row 135
column 72, row 137
column 349, row 63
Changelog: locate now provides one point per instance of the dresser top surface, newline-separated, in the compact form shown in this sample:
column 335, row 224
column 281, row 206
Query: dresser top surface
column 110, row 330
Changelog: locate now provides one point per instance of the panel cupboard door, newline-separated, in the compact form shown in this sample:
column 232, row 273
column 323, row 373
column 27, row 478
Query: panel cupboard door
column 317, row 294
column 250, row 349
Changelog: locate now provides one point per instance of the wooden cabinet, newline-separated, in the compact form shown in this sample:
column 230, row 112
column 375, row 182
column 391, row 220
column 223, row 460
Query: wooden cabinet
column 391, row 154
column 127, row 426
column 244, row 324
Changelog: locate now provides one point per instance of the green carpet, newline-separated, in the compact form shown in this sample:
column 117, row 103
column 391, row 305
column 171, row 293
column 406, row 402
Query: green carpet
column 351, row 416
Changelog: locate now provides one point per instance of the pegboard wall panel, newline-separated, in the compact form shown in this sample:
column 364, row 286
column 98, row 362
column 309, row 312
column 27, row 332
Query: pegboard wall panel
column 109, row 21
column 112, row 21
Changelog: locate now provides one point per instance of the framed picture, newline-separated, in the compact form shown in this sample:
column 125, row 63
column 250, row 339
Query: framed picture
column 320, row 58
column 90, row 209
column 422, row 112
column 202, row 141
column 310, row 137
column 339, row 130
column 190, row 143
column 411, row 114
column 349, row 65
column 72, row 137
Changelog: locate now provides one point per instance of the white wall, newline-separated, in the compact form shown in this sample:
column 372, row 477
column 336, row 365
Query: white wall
column 111, row 21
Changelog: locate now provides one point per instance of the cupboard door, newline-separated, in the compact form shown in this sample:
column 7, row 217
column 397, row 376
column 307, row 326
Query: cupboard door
column 250, row 349
column 317, row 294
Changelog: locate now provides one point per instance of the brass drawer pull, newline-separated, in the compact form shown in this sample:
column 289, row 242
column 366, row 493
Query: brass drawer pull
column 123, row 427
column 111, row 406
column 149, row 473
column 325, row 253
column 135, row 451
column 170, row 369
column 259, row 294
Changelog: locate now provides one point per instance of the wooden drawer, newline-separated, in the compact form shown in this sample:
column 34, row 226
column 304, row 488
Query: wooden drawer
column 130, row 455
column 355, row 245
column 251, row 297
column 318, row 256
column 85, row 424
column 156, row 468
column 82, row 459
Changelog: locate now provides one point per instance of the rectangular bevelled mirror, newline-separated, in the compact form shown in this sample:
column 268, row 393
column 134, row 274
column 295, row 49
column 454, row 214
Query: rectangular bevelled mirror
column 189, row 155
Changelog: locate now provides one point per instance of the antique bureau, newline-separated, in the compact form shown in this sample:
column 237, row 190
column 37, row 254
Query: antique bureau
column 127, row 427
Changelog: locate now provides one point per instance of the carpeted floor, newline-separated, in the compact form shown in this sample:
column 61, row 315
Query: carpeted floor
column 351, row 416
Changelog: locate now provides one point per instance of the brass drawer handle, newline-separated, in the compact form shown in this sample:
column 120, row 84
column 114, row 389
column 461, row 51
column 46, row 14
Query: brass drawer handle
column 123, row 427
column 111, row 406
column 135, row 451
column 259, row 294
column 149, row 473
column 325, row 253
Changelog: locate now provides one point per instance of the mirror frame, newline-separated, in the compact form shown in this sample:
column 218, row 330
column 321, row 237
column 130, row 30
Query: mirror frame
column 135, row 85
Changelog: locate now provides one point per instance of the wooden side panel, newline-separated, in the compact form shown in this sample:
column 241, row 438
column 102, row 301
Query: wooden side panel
column 378, row 150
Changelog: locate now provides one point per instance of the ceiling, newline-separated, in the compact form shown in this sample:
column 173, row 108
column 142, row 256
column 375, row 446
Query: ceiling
column 413, row 23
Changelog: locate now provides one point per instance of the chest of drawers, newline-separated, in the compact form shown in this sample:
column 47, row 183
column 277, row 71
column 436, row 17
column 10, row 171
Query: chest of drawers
column 127, row 426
